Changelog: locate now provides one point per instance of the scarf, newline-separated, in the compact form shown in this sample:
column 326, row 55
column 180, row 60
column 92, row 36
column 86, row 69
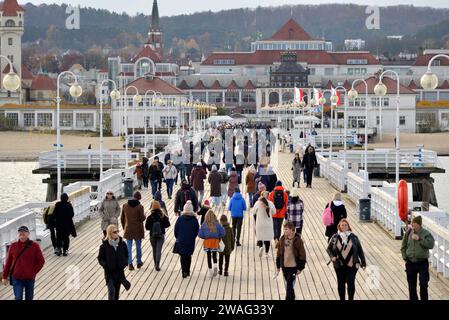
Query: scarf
column 344, row 236
column 114, row 243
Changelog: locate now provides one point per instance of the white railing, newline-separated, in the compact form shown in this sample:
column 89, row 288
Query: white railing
column 323, row 162
column 437, row 223
column 84, row 159
column 359, row 187
column 384, row 209
column 337, row 175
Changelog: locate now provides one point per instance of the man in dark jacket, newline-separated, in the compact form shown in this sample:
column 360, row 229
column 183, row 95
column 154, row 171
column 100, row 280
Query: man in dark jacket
column 63, row 215
column 309, row 162
column 161, row 167
column 23, row 263
column 197, row 179
column 215, row 179
column 155, row 175
column 183, row 195
column 291, row 257
column 145, row 171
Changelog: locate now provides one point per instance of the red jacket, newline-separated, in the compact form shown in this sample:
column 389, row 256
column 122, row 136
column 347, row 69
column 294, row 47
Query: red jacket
column 197, row 178
column 280, row 213
column 28, row 265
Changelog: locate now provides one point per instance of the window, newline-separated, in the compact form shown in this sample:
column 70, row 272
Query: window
column 11, row 57
column 66, row 119
column 402, row 120
column 215, row 97
column 84, row 120
column 224, row 61
column 312, row 71
column 28, row 119
column 10, row 41
column 444, row 95
column 164, row 121
column 429, row 95
column 44, row 119
column 328, row 71
column 357, row 61
column 248, row 96
column 148, row 122
column 232, row 96
column 10, row 23
column 436, row 63
column 377, row 120
column 385, row 102
column 201, row 96
column 13, row 119
column 359, row 102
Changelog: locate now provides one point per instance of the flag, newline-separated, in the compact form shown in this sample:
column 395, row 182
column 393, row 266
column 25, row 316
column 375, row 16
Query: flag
column 338, row 94
column 317, row 94
column 299, row 95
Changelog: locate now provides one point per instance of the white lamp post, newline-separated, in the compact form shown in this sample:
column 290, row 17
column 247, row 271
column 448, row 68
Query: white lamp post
column 75, row 91
column 429, row 81
column 115, row 95
column 335, row 99
column 353, row 94
column 145, row 121
column 136, row 99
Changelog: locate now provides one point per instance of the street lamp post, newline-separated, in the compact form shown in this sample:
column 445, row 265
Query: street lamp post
column 136, row 99
column 336, row 101
column 353, row 94
column 115, row 95
column 75, row 91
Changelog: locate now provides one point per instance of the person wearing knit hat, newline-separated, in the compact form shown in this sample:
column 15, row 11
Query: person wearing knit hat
column 186, row 231
column 295, row 210
column 203, row 210
column 415, row 247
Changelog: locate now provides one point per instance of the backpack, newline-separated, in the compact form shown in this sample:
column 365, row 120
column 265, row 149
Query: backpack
column 156, row 230
column 328, row 216
column 278, row 199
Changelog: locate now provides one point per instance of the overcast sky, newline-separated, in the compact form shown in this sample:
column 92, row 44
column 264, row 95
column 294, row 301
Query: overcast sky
column 175, row 7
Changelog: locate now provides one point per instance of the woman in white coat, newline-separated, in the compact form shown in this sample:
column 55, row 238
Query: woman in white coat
column 263, row 211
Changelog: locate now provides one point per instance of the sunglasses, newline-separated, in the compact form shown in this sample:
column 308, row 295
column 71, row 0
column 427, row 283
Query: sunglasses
column 116, row 231
column 109, row 193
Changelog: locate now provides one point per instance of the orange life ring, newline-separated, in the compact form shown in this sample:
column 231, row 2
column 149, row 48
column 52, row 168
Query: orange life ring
column 403, row 200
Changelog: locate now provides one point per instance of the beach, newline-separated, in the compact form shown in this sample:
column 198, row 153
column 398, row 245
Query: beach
column 438, row 142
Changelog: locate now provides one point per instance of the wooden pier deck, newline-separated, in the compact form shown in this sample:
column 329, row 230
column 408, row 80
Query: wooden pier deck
column 250, row 276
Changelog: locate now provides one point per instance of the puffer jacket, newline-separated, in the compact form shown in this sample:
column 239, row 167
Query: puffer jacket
column 417, row 250
column 237, row 205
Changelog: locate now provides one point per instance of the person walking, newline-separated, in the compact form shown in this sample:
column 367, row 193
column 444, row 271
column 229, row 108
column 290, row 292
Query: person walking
column 132, row 220
column 64, row 225
column 160, row 165
column 49, row 220
column 139, row 175
column 296, row 167
column 23, row 262
column 145, row 171
column 280, row 200
column 251, row 184
column 155, row 176
column 271, row 179
column 156, row 223
column 113, row 257
column 339, row 212
column 290, row 257
column 260, row 189
column 158, row 198
column 109, row 211
column 237, row 206
column 197, row 178
column 224, row 185
column 203, row 210
column 295, row 210
column 228, row 240
column 215, row 180
column 415, row 248
column 170, row 173
column 179, row 163
column 233, row 182
column 184, row 194
column 346, row 253
column 211, row 231
column 186, row 231
column 263, row 212
column 309, row 162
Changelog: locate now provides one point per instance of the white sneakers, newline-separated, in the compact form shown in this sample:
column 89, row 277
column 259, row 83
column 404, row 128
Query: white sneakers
column 260, row 252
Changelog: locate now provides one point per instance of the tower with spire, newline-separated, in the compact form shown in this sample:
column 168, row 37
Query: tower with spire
column 155, row 34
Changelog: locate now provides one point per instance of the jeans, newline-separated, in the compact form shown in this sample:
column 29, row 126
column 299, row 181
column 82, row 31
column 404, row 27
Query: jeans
column 186, row 260
column 153, row 187
column 227, row 259
column 211, row 256
column 113, row 289
column 138, row 251
column 277, row 227
column 266, row 243
column 200, row 195
column 19, row 286
column 237, row 224
column 309, row 176
column 139, row 184
column 346, row 276
column 156, row 244
column 289, row 277
column 62, row 240
column 413, row 269
column 216, row 201
column 250, row 195
column 228, row 167
column 182, row 172
column 169, row 183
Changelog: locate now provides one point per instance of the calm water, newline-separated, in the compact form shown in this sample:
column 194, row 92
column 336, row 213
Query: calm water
column 19, row 185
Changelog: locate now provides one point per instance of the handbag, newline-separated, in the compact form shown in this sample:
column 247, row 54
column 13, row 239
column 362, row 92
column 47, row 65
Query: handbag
column 221, row 246
column 11, row 271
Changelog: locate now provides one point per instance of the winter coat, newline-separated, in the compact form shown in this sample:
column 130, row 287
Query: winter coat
column 232, row 183
column 417, row 250
column 28, row 265
column 202, row 213
column 170, row 172
column 205, row 233
column 309, row 161
column 155, row 216
column 280, row 213
column 250, row 183
column 215, row 183
column 264, row 223
column 296, row 167
column 109, row 213
column 113, row 261
column 228, row 239
column 132, row 220
column 298, row 250
column 197, row 178
column 357, row 250
column 145, row 168
column 184, row 194
column 339, row 212
column 63, row 215
column 237, row 205
column 224, row 182
column 139, row 172
column 155, row 173
column 269, row 180
column 186, row 231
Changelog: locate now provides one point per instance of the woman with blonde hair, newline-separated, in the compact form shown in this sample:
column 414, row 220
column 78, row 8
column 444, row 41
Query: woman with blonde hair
column 212, row 232
column 346, row 253
column 113, row 257
column 156, row 223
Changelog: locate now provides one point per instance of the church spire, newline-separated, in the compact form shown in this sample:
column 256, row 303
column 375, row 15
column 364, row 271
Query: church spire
column 155, row 17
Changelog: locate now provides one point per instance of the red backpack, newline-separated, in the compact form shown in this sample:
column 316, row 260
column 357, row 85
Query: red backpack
column 328, row 216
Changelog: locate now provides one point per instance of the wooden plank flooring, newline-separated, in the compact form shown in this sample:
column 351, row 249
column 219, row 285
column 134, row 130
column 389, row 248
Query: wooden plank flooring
column 250, row 277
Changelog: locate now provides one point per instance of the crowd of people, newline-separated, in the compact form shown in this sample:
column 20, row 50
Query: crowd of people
column 278, row 216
